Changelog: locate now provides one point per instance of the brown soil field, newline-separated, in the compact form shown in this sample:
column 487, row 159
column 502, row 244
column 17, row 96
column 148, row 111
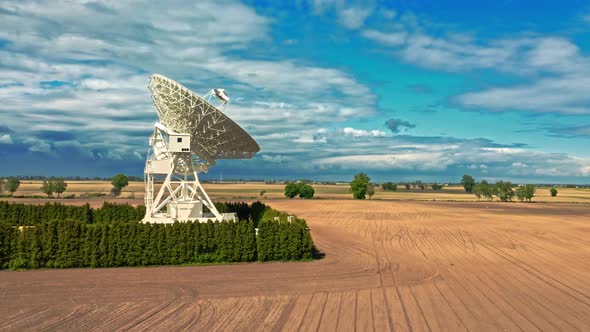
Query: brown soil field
column 388, row 265
column 251, row 190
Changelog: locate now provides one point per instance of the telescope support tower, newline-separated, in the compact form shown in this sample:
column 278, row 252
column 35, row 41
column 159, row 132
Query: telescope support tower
column 181, row 197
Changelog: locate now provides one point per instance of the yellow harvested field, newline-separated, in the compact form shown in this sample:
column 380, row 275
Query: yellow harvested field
column 388, row 266
column 251, row 190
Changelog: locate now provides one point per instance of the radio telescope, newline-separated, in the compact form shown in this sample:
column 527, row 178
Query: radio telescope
column 192, row 133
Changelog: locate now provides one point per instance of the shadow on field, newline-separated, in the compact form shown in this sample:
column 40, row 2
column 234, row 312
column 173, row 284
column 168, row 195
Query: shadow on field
column 316, row 254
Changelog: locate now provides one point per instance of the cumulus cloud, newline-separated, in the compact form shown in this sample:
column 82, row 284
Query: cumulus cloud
column 350, row 15
column 420, row 156
column 70, row 75
column 354, row 17
column 75, row 91
column 5, row 139
column 566, row 95
column 555, row 71
column 397, row 125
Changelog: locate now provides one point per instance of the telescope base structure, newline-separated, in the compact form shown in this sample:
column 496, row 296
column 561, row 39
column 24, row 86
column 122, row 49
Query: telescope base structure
column 179, row 198
column 168, row 220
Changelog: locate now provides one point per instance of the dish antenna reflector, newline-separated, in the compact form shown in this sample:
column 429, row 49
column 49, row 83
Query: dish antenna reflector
column 192, row 133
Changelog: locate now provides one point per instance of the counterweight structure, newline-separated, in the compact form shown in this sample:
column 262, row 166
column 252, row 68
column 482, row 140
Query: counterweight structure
column 190, row 136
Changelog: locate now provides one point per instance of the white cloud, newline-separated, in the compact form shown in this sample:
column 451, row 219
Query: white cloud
column 5, row 139
column 401, row 161
column 192, row 44
column 94, row 84
column 36, row 145
column 350, row 15
column 275, row 158
column 555, row 71
column 354, row 17
column 567, row 95
column 362, row 133
column 389, row 39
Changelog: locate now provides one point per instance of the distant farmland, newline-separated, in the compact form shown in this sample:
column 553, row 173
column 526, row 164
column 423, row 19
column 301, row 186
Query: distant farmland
column 251, row 190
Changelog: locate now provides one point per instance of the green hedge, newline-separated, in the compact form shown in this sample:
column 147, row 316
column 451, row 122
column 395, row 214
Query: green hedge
column 108, row 241
column 28, row 214
column 281, row 240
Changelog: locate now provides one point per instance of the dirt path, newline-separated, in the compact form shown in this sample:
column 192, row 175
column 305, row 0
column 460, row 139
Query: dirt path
column 403, row 266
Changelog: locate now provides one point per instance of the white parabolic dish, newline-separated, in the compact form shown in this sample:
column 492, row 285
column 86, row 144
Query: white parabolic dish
column 213, row 134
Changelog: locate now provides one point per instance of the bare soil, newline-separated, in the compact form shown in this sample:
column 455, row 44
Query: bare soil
column 388, row 265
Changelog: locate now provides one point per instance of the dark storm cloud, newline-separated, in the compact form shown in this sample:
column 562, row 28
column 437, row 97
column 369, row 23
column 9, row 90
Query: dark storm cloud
column 397, row 125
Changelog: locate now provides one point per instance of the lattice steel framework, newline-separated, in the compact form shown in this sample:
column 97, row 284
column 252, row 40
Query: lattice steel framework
column 212, row 135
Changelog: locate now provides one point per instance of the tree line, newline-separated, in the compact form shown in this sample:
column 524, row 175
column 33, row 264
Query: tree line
column 113, row 236
column 58, row 186
column 503, row 190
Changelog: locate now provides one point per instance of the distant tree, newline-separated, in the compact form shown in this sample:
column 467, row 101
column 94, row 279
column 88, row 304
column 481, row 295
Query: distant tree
column 299, row 189
column 468, row 183
column 2, row 184
column 359, row 185
column 436, row 186
column 477, row 191
column 47, row 187
column 119, row 182
column 371, row 190
column 529, row 192
column 306, row 191
column 12, row 185
column 262, row 192
column 486, row 190
column 553, row 192
column 291, row 190
column 390, row 186
column 520, row 193
column 525, row 193
column 115, row 192
column 407, row 185
column 503, row 190
column 59, row 186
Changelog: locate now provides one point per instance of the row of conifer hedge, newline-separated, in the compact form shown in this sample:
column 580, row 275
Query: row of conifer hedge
column 110, row 242
column 30, row 214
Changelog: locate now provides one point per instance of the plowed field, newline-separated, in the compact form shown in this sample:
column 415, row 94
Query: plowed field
column 403, row 266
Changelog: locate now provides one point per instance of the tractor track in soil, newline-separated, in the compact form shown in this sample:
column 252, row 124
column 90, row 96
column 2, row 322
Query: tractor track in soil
column 388, row 266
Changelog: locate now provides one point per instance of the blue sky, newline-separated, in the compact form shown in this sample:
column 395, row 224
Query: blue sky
column 406, row 90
